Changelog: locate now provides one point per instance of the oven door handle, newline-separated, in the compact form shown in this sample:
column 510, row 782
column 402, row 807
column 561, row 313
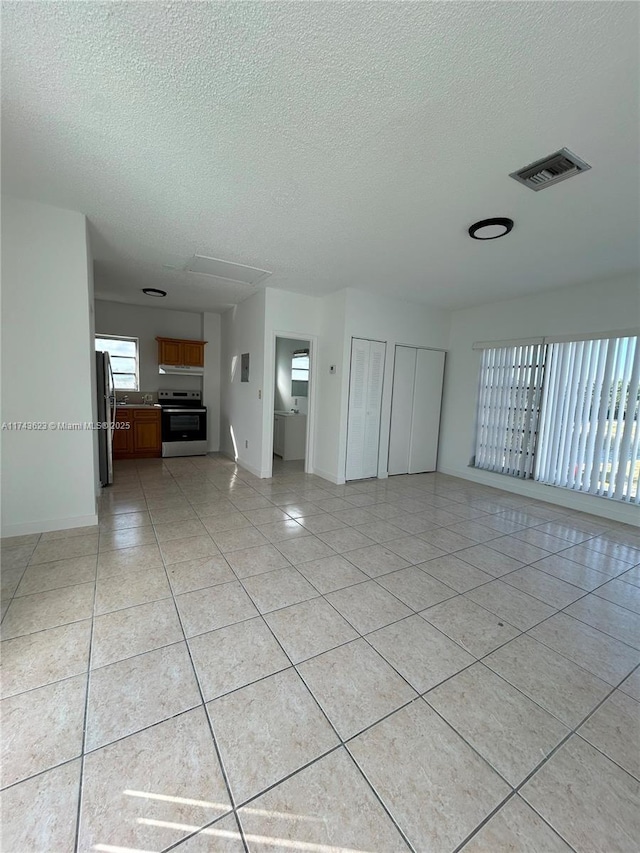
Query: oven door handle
column 184, row 411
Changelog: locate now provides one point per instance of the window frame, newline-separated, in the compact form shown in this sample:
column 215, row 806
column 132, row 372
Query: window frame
column 131, row 339
column 506, row 441
column 552, row 439
column 297, row 392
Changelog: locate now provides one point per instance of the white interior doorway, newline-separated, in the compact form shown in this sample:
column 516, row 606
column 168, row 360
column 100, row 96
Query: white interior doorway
column 292, row 386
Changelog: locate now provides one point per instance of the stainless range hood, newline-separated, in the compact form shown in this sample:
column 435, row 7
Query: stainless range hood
column 184, row 369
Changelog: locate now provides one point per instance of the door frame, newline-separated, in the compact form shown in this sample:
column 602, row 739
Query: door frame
column 269, row 391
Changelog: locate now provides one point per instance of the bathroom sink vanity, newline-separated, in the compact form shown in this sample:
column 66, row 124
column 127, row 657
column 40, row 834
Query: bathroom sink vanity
column 289, row 435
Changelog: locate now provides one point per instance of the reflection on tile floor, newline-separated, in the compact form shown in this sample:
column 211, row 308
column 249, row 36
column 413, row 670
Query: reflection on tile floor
column 226, row 663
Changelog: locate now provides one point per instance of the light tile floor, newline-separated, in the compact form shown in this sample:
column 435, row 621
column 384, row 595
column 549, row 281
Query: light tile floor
column 231, row 664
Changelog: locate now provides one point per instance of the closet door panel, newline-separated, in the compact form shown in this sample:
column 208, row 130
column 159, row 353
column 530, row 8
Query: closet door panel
column 401, row 410
column 427, row 399
column 356, row 421
column 375, row 375
column 365, row 405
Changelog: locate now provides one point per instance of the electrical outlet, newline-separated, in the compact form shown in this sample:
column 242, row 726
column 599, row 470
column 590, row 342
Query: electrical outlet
column 246, row 445
column 295, row 402
column 259, row 395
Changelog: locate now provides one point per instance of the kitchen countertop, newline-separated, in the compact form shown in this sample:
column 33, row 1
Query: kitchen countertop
column 138, row 405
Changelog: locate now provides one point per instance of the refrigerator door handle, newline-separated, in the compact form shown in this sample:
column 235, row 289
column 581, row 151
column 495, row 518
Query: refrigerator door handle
column 112, row 394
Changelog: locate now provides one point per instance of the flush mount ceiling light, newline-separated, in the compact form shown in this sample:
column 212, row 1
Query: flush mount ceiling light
column 491, row 229
column 153, row 291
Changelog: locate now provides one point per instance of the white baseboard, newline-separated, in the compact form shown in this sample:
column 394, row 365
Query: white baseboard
column 602, row 507
column 242, row 464
column 50, row 524
column 338, row 481
column 257, row 472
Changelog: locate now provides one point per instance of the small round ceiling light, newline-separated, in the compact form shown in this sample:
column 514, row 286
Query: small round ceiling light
column 153, row 291
column 491, row 229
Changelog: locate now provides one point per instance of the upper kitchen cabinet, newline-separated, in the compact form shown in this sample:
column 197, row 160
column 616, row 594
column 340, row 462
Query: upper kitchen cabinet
column 180, row 352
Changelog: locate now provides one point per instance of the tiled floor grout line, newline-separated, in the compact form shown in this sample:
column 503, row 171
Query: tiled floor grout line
column 85, row 717
column 315, row 699
column 415, row 612
column 457, row 594
column 268, row 613
column 311, row 693
column 13, row 595
column 586, row 593
column 223, row 769
column 512, row 795
column 64, row 763
column 345, row 555
column 573, row 730
column 395, row 710
column 604, row 754
column 378, row 797
column 207, row 826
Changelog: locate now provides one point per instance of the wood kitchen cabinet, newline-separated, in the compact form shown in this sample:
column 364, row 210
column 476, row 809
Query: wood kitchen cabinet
column 123, row 435
column 143, row 438
column 180, row 352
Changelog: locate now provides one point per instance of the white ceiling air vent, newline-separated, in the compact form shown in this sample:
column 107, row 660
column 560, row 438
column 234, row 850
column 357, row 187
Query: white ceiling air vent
column 226, row 270
column 551, row 170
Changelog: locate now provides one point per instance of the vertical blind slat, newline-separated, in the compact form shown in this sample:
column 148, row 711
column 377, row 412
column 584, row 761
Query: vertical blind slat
column 619, row 462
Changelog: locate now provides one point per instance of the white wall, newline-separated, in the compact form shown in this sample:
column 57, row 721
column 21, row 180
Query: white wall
column 241, row 403
column 92, row 336
column 140, row 321
column 48, row 476
column 601, row 306
column 329, row 323
column 395, row 322
column 297, row 317
column 333, row 388
column 283, row 398
column 211, row 380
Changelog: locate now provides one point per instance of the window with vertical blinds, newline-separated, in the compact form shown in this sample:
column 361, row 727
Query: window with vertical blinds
column 508, row 407
column 589, row 437
column 564, row 413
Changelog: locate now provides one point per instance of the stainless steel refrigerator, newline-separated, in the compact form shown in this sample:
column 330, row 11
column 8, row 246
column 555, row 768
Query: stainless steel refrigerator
column 106, row 415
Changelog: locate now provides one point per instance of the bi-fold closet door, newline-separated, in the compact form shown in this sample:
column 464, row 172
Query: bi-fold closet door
column 415, row 410
column 365, row 408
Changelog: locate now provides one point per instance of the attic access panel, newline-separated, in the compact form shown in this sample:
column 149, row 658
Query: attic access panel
column 226, row 270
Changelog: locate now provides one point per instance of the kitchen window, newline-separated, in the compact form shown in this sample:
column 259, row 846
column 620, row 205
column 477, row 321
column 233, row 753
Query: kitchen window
column 123, row 353
column 563, row 412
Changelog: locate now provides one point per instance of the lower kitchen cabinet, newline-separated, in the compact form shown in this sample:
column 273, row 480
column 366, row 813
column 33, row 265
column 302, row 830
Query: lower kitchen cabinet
column 142, row 439
column 123, row 435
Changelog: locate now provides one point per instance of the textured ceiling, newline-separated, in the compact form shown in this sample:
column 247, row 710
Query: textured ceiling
column 336, row 144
